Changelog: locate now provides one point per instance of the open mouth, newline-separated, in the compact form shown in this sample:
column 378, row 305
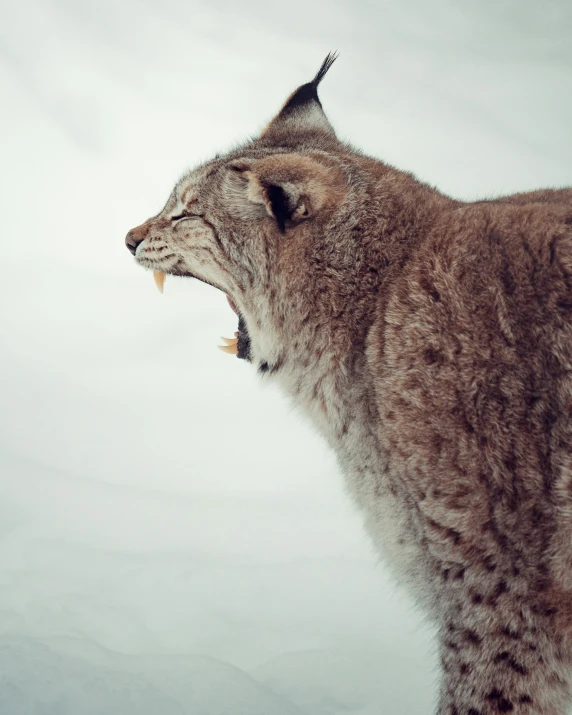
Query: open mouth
column 240, row 344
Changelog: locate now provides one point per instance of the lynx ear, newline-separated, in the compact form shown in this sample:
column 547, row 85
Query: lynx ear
column 291, row 187
column 303, row 110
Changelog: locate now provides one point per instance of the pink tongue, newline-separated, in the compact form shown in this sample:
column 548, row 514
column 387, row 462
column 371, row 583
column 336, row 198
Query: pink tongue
column 232, row 305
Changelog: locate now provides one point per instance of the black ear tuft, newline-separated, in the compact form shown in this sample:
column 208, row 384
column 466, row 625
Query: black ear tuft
column 308, row 92
column 326, row 64
column 279, row 203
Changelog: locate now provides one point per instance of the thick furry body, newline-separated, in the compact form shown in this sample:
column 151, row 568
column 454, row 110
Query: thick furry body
column 430, row 341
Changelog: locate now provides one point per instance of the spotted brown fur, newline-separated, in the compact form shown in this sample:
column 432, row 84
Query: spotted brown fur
column 430, row 341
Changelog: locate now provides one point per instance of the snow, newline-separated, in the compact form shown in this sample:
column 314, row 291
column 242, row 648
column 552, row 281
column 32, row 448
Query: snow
column 75, row 676
column 340, row 680
column 95, row 619
column 173, row 537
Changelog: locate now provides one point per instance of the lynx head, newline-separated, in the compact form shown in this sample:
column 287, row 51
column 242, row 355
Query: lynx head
column 253, row 224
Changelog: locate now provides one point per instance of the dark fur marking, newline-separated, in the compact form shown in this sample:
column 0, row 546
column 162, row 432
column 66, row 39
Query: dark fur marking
column 542, row 609
column 506, row 657
column 498, row 592
column 525, row 699
column 472, row 637
column 517, row 667
column 216, row 236
column 277, row 365
column 503, row 705
column 438, row 445
column 502, row 656
column 474, row 711
column 429, row 287
column 515, row 635
column 431, row 356
column 508, row 281
column 490, row 564
column 445, row 532
column 243, row 340
column 279, row 202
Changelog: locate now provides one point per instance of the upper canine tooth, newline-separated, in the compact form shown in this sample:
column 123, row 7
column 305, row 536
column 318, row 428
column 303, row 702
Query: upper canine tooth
column 230, row 341
column 159, row 280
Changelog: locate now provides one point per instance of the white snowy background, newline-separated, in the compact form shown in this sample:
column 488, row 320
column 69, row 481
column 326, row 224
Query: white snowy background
column 173, row 538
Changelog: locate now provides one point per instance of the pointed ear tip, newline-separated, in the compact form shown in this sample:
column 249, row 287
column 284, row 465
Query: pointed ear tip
column 331, row 57
column 304, row 98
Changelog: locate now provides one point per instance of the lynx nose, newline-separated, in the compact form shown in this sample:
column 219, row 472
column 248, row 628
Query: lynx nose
column 135, row 237
column 132, row 240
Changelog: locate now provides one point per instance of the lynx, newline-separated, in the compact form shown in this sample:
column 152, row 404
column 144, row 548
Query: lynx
column 430, row 342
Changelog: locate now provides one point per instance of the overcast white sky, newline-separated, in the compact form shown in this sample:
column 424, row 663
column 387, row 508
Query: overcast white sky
column 172, row 537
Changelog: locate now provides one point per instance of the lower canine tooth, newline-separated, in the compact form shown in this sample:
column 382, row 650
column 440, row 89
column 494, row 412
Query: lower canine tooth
column 230, row 349
column 159, row 280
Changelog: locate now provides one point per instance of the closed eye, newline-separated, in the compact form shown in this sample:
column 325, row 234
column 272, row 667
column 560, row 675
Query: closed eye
column 184, row 214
